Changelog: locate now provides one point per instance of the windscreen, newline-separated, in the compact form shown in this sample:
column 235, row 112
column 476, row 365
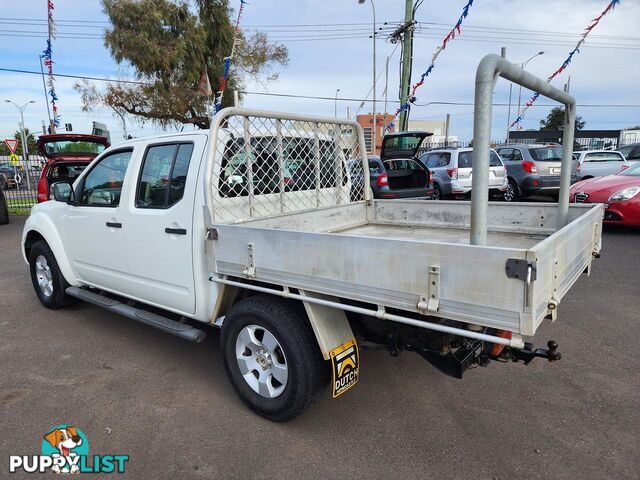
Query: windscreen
column 73, row 147
column 546, row 154
column 401, row 146
column 633, row 171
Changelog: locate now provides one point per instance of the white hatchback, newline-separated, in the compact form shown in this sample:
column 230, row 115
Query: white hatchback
column 599, row 163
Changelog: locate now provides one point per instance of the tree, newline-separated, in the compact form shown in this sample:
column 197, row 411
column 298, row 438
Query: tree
column 168, row 44
column 555, row 120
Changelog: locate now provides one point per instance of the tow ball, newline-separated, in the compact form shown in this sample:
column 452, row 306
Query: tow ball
column 528, row 353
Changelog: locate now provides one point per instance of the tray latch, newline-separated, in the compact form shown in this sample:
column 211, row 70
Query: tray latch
column 250, row 271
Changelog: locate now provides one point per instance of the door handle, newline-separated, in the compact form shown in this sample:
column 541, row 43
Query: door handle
column 114, row 225
column 176, row 231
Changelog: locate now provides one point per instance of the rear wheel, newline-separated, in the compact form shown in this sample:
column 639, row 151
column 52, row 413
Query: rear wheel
column 48, row 282
column 437, row 192
column 3, row 182
column 271, row 357
column 512, row 194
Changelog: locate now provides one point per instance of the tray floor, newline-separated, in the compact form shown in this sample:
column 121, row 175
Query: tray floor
column 440, row 234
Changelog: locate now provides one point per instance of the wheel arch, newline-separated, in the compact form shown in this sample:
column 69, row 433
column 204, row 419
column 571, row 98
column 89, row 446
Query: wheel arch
column 330, row 325
column 39, row 227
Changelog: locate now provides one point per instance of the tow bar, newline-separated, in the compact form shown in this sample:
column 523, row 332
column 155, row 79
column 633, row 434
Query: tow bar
column 528, row 353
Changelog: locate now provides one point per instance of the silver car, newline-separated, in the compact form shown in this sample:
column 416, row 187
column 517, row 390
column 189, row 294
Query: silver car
column 451, row 172
column 599, row 163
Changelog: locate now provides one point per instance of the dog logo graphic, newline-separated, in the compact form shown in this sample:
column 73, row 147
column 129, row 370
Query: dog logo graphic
column 65, row 443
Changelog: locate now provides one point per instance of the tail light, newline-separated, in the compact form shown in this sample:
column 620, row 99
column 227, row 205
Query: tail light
column 579, row 167
column 624, row 167
column 43, row 188
column 383, row 180
column 497, row 348
column 288, row 182
column 453, row 173
column 529, row 166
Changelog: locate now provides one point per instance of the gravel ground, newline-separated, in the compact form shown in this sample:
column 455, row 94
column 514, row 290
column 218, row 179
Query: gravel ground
column 167, row 403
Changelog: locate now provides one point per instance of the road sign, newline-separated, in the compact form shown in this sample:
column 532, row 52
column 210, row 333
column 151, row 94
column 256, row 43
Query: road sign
column 14, row 159
column 11, row 144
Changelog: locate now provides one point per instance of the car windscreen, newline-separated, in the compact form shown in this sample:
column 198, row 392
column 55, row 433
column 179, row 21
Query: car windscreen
column 633, row 171
column 465, row 159
column 73, row 147
column 546, row 154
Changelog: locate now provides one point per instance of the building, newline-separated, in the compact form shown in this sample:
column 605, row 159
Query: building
column 366, row 122
column 436, row 127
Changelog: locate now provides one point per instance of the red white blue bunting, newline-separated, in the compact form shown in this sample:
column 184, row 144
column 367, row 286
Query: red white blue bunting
column 568, row 60
column 48, row 62
column 228, row 60
column 456, row 30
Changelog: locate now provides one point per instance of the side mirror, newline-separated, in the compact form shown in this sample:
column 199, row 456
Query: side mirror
column 62, row 192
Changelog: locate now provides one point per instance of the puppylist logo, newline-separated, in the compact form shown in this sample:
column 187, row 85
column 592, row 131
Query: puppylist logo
column 65, row 449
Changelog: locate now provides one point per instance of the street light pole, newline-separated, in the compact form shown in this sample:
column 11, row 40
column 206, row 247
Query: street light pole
column 25, row 147
column 335, row 104
column 375, row 117
column 524, row 64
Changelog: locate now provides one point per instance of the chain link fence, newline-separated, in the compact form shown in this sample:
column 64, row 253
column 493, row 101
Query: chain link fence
column 264, row 166
column 19, row 182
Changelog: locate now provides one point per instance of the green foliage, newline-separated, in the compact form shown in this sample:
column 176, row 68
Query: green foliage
column 555, row 120
column 167, row 44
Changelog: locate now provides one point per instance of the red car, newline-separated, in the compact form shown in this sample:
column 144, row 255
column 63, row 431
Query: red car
column 67, row 155
column 620, row 193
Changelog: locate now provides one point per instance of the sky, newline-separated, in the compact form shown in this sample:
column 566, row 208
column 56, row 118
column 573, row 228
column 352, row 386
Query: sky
column 330, row 48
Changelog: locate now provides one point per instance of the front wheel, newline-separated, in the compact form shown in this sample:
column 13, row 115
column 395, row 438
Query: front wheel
column 47, row 279
column 271, row 357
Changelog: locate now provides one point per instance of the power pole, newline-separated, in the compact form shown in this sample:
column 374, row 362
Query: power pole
column 407, row 54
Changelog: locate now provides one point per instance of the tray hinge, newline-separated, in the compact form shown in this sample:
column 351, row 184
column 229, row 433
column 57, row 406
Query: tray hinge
column 250, row 271
column 432, row 302
column 521, row 270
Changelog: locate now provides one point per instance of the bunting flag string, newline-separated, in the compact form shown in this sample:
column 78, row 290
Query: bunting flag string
column 228, row 60
column 612, row 4
column 47, row 55
column 456, row 30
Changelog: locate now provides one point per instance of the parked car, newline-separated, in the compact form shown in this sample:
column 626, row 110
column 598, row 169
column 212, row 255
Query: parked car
column 599, row 163
column 8, row 174
column 631, row 151
column 620, row 193
column 4, row 209
column 395, row 173
column 533, row 169
column 67, row 154
column 451, row 172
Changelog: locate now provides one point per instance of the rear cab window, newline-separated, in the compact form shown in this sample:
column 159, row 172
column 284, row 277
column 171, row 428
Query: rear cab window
column 163, row 175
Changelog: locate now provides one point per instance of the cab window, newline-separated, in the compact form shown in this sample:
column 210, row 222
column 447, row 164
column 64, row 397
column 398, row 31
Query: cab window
column 164, row 174
column 103, row 184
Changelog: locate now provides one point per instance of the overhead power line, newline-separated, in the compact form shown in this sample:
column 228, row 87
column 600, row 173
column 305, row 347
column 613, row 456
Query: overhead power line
column 309, row 97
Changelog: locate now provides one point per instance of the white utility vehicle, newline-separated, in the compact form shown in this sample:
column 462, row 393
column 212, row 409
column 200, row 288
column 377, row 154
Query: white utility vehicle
column 255, row 227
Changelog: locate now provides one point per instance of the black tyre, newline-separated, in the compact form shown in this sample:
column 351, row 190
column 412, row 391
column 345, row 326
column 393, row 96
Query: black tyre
column 4, row 210
column 437, row 193
column 272, row 358
column 3, row 182
column 513, row 192
column 48, row 282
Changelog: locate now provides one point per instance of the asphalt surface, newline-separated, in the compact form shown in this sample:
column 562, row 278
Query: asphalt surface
column 168, row 405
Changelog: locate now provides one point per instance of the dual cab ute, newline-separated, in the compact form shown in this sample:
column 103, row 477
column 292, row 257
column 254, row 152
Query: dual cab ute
column 180, row 231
